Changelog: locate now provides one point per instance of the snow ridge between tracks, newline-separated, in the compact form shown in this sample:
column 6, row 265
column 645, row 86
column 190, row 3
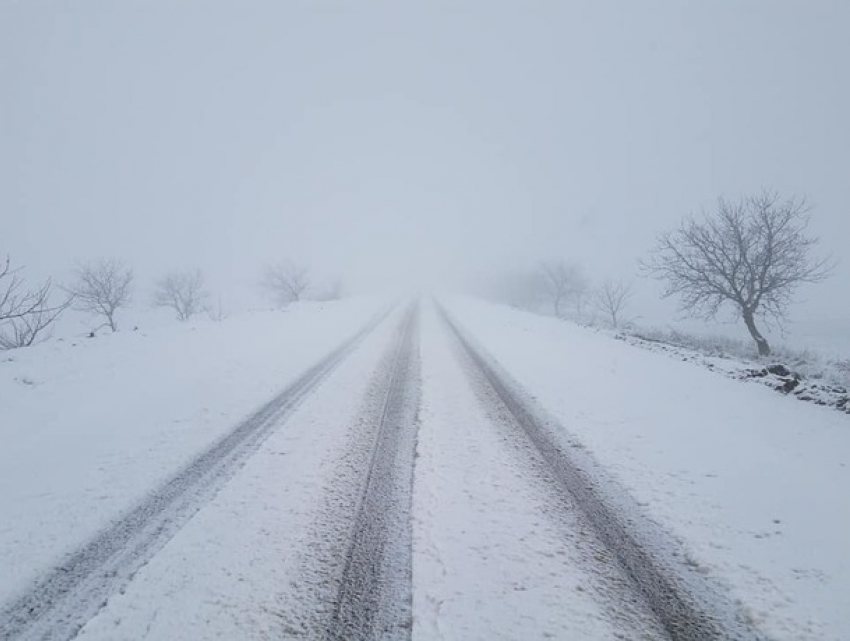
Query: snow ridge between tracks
column 374, row 600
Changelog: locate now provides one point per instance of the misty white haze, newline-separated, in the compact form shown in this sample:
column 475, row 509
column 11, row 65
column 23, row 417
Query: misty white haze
column 412, row 147
column 370, row 320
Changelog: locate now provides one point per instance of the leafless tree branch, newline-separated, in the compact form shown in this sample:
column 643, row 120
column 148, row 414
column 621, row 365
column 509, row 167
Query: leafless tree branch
column 15, row 300
column 25, row 331
column 25, row 314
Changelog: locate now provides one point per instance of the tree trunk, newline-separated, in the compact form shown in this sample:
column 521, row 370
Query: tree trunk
column 761, row 341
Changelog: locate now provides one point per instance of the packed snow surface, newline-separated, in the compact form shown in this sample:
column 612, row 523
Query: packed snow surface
column 237, row 569
column 755, row 484
column 89, row 426
column 497, row 555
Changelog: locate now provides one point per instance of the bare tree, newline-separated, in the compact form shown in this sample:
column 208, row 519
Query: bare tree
column 102, row 288
column 611, row 299
column 286, row 281
column 182, row 292
column 25, row 314
column 565, row 283
column 751, row 254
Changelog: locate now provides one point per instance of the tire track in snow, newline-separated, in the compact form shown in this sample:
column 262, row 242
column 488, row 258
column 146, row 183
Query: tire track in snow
column 687, row 604
column 58, row 604
column 374, row 598
column 494, row 534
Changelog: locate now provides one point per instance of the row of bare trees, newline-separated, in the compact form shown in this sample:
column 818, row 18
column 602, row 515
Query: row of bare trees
column 103, row 288
column 569, row 287
column 748, row 256
column 563, row 289
column 100, row 288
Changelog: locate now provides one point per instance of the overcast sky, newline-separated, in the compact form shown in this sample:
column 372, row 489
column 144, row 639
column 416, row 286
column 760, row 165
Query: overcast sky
column 401, row 145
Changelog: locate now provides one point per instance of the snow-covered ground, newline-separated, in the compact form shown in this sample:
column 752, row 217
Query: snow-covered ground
column 89, row 426
column 799, row 375
column 237, row 569
column 753, row 483
column 495, row 554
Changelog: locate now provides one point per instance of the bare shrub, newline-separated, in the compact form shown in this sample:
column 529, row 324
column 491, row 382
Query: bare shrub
column 286, row 282
column 101, row 288
column 182, row 292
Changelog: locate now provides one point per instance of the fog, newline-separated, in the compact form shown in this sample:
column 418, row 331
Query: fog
column 417, row 147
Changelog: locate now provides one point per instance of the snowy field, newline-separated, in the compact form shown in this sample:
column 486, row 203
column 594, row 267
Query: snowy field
column 750, row 483
column 89, row 426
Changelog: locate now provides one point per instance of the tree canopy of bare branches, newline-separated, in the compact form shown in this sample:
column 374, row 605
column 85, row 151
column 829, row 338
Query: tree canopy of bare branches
column 751, row 254
column 182, row 292
column 102, row 288
column 565, row 283
column 611, row 299
column 26, row 330
column 286, row 282
column 15, row 300
column 25, row 314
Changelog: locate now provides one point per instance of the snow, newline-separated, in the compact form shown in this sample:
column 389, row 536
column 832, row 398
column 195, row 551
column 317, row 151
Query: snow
column 89, row 426
column 753, row 483
column 235, row 571
column 494, row 556
column 805, row 376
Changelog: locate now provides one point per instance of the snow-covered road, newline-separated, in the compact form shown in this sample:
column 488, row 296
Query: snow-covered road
column 500, row 551
column 493, row 480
